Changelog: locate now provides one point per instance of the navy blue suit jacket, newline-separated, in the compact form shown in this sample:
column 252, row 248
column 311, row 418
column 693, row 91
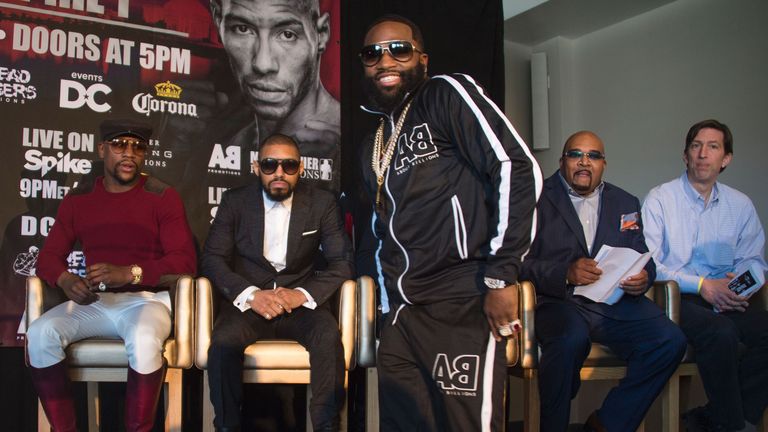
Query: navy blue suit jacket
column 560, row 241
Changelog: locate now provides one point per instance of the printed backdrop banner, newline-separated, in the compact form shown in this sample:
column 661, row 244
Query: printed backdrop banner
column 67, row 65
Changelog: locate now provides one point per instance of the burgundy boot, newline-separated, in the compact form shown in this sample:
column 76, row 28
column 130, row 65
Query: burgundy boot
column 54, row 389
column 141, row 397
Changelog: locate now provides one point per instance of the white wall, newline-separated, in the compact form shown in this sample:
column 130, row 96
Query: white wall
column 517, row 88
column 641, row 83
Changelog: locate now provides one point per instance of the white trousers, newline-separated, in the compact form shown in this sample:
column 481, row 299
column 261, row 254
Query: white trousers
column 141, row 319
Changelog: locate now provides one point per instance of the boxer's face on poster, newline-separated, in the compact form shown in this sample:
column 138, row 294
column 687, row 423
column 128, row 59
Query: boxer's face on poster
column 274, row 48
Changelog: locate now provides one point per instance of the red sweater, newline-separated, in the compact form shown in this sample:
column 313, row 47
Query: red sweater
column 145, row 226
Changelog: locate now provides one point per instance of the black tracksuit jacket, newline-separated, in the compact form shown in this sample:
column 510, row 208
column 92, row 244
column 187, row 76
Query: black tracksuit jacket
column 459, row 198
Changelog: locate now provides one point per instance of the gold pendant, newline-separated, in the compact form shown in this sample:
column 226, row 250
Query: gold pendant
column 379, row 181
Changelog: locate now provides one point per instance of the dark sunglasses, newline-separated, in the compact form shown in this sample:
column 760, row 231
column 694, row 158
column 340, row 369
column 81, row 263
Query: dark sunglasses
column 119, row 145
column 269, row 165
column 578, row 154
column 399, row 50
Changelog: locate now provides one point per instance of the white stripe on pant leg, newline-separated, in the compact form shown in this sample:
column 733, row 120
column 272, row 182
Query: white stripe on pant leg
column 486, row 411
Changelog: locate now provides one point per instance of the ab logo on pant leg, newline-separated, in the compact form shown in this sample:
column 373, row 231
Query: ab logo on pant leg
column 457, row 377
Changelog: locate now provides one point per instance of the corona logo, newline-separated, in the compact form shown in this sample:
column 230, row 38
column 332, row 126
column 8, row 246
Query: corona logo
column 145, row 103
column 168, row 90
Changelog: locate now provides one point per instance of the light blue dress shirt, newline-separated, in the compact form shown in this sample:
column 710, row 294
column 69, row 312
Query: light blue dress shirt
column 691, row 238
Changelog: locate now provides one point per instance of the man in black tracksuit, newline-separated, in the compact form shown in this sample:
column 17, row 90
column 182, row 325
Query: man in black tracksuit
column 454, row 189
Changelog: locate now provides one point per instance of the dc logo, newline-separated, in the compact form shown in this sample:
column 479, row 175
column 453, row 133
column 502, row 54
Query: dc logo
column 418, row 145
column 74, row 95
column 459, row 374
column 225, row 158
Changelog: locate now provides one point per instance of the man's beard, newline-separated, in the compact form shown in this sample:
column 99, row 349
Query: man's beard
column 280, row 195
column 387, row 102
column 121, row 181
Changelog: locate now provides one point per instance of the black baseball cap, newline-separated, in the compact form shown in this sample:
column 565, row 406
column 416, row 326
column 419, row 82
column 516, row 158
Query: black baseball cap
column 114, row 128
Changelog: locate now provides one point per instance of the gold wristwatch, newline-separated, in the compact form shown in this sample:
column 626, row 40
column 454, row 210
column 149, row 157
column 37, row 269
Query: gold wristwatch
column 137, row 274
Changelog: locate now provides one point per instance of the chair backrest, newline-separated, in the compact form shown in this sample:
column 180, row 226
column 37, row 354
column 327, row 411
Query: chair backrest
column 348, row 316
column 366, row 325
column 183, row 323
column 666, row 294
column 528, row 349
column 761, row 296
column 178, row 348
column 205, row 316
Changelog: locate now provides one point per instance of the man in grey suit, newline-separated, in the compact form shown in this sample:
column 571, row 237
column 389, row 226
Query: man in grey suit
column 261, row 255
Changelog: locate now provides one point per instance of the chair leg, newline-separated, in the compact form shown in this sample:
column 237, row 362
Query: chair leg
column 343, row 423
column 762, row 426
column 670, row 405
column 531, row 415
column 371, row 400
column 207, row 405
column 173, row 400
column 42, row 420
column 308, row 426
column 94, row 405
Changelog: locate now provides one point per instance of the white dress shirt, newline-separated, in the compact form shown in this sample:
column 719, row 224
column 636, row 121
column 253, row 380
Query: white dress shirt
column 277, row 219
column 588, row 209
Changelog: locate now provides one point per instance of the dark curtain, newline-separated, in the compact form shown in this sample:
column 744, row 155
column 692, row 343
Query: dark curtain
column 460, row 36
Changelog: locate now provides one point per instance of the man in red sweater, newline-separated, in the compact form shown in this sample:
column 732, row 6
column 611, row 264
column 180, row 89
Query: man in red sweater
column 134, row 234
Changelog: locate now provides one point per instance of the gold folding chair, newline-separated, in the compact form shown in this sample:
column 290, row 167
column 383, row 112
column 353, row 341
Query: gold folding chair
column 601, row 364
column 272, row 361
column 97, row 360
column 685, row 373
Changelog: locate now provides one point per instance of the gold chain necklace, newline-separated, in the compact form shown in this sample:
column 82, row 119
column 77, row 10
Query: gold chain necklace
column 383, row 156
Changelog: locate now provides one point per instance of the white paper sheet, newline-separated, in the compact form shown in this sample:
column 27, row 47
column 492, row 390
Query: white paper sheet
column 617, row 264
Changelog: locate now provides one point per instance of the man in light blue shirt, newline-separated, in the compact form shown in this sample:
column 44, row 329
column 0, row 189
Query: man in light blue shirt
column 703, row 233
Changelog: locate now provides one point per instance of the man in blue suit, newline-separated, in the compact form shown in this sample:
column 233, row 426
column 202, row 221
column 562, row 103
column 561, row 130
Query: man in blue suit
column 577, row 214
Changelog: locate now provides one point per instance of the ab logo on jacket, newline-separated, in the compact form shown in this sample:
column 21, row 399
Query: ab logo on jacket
column 414, row 148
